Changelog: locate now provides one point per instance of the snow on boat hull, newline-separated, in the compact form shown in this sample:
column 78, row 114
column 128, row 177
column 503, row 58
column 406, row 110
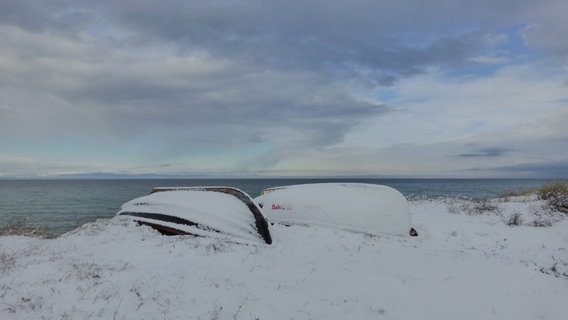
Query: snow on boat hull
column 358, row 207
column 217, row 212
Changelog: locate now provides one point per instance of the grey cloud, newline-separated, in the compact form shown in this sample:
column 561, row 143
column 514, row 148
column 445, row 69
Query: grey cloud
column 26, row 14
column 377, row 41
column 487, row 152
column 542, row 169
column 374, row 40
column 358, row 38
column 548, row 27
column 131, row 92
column 304, row 47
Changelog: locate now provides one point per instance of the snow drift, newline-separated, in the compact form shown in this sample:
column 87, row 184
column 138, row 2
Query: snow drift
column 462, row 266
column 215, row 212
column 367, row 208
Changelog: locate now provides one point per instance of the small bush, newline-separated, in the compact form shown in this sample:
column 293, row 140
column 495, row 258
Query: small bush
column 556, row 196
column 515, row 219
column 559, row 269
column 456, row 207
column 543, row 216
column 473, row 207
column 19, row 227
column 540, row 223
column 7, row 262
column 480, row 207
column 518, row 193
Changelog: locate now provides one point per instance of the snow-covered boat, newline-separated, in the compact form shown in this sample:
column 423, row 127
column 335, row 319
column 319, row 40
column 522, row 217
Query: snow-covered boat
column 368, row 208
column 218, row 212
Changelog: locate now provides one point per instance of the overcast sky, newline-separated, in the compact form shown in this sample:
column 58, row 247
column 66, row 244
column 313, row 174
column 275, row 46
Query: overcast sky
column 256, row 88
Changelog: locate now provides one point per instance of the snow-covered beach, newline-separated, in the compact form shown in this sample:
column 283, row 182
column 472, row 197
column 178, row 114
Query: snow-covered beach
column 505, row 259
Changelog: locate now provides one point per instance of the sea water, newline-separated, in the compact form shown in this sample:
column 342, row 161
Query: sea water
column 62, row 205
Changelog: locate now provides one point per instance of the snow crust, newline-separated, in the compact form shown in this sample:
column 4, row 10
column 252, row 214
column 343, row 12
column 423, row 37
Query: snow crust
column 463, row 265
column 223, row 215
column 359, row 207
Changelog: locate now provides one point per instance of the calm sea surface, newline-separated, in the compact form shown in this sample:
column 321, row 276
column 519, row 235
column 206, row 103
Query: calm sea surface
column 62, row 205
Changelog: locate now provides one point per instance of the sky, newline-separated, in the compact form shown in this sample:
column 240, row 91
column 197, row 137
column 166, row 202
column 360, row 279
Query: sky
column 255, row 88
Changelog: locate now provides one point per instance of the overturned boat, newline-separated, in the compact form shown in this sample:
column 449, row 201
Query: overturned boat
column 359, row 207
column 217, row 212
